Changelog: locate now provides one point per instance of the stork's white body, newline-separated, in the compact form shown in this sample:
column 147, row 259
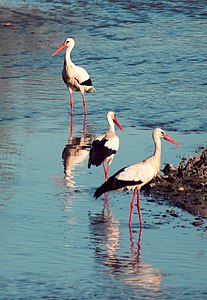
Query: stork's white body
column 145, row 170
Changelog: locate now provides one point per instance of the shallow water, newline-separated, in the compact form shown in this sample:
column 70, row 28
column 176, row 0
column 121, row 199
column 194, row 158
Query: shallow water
column 148, row 64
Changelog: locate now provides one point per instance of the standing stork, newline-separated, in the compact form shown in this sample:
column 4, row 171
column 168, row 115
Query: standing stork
column 135, row 176
column 105, row 146
column 76, row 78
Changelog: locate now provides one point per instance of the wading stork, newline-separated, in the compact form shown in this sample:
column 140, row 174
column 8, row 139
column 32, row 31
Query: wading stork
column 76, row 78
column 135, row 176
column 105, row 146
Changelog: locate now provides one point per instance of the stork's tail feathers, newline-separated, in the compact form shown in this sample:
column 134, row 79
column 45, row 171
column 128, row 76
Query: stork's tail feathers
column 90, row 89
column 88, row 85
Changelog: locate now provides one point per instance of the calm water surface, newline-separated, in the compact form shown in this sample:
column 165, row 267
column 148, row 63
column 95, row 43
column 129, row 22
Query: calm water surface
column 148, row 64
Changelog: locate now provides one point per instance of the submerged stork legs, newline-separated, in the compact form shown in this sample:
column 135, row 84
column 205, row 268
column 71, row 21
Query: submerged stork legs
column 72, row 102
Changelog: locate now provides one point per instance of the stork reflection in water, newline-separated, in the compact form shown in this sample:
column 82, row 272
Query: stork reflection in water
column 128, row 268
column 76, row 151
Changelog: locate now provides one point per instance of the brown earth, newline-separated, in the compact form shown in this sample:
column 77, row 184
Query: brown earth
column 185, row 185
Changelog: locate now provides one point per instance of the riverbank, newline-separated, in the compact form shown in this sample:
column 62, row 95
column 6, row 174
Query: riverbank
column 185, row 185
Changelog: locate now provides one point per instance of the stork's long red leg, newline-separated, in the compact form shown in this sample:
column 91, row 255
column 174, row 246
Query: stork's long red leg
column 105, row 171
column 132, row 207
column 139, row 208
column 84, row 104
column 71, row 101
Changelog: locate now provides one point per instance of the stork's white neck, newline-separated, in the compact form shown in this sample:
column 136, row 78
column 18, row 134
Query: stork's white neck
column 157, row 142
column 111, row 124
column 157, row 152
column 68, row 60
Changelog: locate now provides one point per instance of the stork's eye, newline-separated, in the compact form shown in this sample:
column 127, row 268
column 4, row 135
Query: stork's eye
column 162, row 132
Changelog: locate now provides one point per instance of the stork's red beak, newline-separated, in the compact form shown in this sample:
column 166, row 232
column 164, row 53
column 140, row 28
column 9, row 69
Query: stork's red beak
column 63, row 46
column 168, row 138
column 117, row 123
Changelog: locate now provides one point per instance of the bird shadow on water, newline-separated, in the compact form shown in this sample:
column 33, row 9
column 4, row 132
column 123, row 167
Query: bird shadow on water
column 128, row 266
column 75, row 151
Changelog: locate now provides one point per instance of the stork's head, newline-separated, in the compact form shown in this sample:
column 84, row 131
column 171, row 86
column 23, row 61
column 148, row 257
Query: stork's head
column 160, row 133
column 111, row 115
column 68, row 43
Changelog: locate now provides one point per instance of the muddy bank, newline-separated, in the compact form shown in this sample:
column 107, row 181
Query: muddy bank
column 185, row 185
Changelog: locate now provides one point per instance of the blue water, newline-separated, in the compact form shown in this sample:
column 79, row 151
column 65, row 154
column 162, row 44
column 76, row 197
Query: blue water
column 148, row 64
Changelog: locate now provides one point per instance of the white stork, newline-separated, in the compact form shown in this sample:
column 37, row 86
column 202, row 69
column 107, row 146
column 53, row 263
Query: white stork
column 76, row 78
column 105, row 146
column 135, row 176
